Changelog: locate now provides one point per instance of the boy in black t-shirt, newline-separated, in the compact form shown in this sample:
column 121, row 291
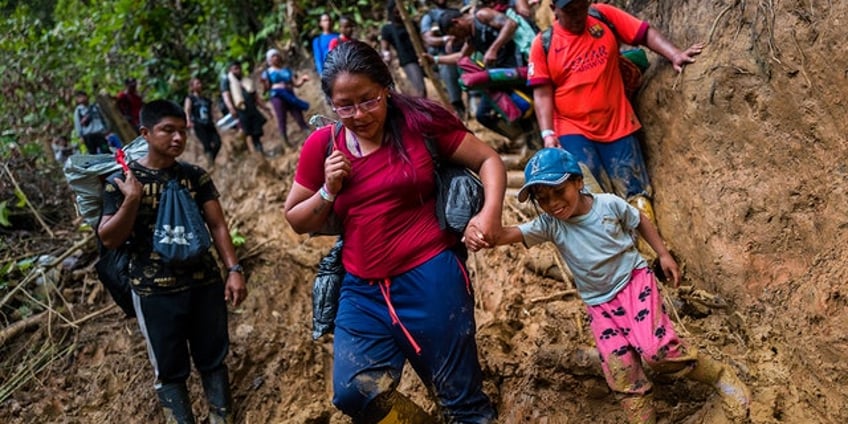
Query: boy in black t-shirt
column 181, row 310
column 198, row 109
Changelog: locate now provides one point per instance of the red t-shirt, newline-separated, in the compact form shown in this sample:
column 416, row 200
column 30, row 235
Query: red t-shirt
column 336, row 41
column 130, row 106
column 589, row 96
column 387, row 205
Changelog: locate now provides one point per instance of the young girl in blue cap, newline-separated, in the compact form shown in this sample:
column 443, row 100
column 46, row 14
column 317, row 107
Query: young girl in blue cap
column 593, row 233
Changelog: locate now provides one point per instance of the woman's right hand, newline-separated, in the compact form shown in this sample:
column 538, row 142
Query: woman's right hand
column 336, row 169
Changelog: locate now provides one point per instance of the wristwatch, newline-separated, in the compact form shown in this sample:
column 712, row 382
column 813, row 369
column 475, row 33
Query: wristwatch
column 236, row 268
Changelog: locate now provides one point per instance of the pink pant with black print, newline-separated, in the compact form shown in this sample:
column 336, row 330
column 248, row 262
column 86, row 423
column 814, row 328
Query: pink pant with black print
column 632, row 326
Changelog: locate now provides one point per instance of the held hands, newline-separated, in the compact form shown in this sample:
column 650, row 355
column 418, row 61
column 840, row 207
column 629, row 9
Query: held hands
column 235, row 290
column 480, row 233
column 686, row 57
column 336, row 169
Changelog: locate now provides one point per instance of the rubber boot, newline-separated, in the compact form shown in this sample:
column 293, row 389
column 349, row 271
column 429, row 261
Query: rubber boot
column 735, row 396
column 405, row 411
column 644, row 205
column 640, row 409
column 216, row 386
column 175, row 403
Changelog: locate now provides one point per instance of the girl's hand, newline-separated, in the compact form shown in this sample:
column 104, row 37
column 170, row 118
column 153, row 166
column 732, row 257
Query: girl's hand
column 670, row 269
column 474, row 238
column 481, row 233
column 336, row 169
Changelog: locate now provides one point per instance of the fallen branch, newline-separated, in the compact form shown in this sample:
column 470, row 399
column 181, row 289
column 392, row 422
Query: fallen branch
column 24, row 374
column 556, row 296
column 49, row 308
column 28, row 203
column 20, row 326
column 94, row 314
column 40, row 269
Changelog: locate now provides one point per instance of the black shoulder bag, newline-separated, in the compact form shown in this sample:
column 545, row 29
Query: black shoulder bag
column 459, row 192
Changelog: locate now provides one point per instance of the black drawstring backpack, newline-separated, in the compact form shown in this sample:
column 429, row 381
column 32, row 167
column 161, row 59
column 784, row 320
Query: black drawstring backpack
column 180, row 236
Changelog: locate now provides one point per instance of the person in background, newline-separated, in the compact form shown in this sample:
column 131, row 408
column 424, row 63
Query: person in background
column 321, row 43
column 129, row 102
column 394, row 34
column 437, row 44
column 279, row 81
column 90, row 125
column 198, row 109
column 601, row 133
column 239, row 94
column 488, row 32
column 346, row 27
column 623, row 301
column 181, row 310
column 114, row 141
column 406, row 295
column 62, row 149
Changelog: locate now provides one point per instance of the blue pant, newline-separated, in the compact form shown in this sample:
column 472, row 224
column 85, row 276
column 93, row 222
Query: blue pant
column 618, row 166
column 434, row 303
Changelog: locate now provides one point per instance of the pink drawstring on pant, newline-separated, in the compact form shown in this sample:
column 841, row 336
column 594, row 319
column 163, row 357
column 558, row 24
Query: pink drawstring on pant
column 384, row 289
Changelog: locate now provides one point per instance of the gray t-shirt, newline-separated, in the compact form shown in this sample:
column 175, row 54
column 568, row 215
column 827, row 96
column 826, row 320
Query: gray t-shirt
column 598, row 247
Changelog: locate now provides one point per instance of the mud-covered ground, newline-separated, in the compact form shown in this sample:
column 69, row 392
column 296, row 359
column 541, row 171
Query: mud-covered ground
column 748, row 157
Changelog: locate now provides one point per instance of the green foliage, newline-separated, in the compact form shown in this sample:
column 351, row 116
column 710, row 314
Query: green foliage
column 238, row 239
column 50, row 48
column 4, row 215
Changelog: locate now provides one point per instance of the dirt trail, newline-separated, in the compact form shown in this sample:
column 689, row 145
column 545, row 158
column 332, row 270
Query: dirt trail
column 747, row 153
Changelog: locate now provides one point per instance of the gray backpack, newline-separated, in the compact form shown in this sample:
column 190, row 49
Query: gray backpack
column 86, row 174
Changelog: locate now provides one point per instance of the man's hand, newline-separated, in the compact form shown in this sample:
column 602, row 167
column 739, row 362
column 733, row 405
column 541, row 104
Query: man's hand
column 686, row 57
column 235, row 290
column 130, row 187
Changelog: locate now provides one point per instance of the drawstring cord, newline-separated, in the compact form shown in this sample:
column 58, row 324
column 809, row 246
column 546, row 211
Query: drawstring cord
column 384, row 289
column 464, row 274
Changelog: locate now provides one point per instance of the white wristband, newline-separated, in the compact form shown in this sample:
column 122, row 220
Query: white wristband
column 546, row 133
column 326, row 194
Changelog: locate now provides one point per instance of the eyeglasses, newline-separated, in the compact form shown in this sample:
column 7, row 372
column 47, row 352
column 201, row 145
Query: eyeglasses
column 366, row 106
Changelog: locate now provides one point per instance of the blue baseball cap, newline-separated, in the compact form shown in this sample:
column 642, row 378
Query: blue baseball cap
column 549, row 166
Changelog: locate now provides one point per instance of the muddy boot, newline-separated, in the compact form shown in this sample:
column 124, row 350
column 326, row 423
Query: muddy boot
column 175, row 403
column 644, row 205
column 394, row 408
column 639, row 409
column 405, row 411
column 735, row 396
column 216, row 386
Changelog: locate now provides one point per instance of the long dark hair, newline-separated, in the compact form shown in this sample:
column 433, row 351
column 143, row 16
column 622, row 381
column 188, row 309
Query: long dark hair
column 422, row 116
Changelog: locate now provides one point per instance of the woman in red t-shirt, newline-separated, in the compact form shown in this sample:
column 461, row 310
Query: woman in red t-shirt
column 406, row 295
